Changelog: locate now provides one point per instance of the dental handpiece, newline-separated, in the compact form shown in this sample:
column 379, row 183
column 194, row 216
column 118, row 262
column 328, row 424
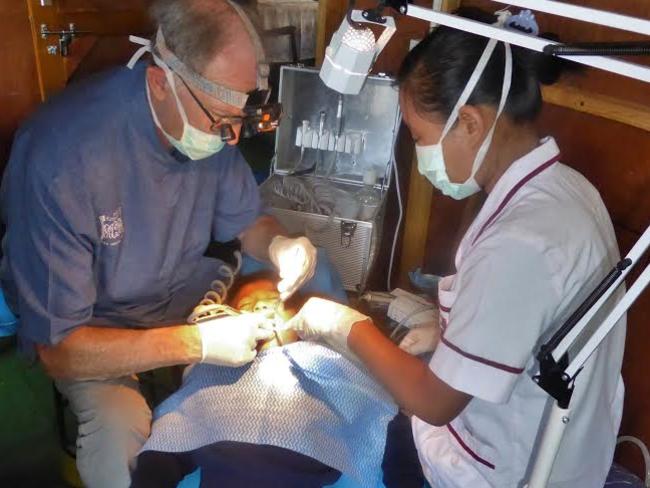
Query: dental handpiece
column 339, row 123
column 305, row 128
column 321, row 128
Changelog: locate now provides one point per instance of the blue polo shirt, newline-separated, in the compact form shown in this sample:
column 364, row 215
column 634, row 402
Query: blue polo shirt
column 104, row 225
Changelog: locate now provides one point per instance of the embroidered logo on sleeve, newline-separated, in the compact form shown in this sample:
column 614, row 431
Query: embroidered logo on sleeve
column 112, row 228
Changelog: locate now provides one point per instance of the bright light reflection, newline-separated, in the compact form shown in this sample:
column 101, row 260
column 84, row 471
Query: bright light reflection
column 275, row 370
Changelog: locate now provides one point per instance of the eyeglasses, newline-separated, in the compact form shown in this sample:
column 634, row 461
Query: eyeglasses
column 220, row 125
column 260, row 116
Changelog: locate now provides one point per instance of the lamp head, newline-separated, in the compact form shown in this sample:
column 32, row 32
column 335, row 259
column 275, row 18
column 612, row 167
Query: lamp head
column 352, row 52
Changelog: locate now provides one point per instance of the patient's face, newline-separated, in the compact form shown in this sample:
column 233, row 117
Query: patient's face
column 261, row 296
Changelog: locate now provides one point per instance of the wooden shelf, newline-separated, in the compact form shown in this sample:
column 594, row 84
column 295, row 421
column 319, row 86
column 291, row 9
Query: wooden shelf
column 612, row 108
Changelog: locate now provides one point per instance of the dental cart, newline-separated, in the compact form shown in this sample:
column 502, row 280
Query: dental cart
column 333, row 154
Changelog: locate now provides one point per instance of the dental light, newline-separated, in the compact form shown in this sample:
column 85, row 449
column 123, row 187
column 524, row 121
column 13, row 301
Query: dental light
column 353, row 51
column 350, row 55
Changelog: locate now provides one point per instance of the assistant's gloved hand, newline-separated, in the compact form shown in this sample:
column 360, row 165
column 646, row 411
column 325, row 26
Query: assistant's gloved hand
column 295, row 260
column 422, row 339
column 327, row 321
column 231, row 341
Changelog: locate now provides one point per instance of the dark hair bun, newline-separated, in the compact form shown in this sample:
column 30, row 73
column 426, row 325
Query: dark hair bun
column 550, row 68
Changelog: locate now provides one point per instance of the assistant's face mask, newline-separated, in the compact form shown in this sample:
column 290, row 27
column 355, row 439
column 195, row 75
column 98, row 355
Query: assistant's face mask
column 431, row 160
column 194, row 143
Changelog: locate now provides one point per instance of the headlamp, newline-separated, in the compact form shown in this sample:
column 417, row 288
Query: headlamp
column 263, row 118
column 256, row 119
column 259, row 116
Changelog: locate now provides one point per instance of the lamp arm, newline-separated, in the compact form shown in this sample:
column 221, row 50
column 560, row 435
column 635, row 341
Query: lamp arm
column 528, row 41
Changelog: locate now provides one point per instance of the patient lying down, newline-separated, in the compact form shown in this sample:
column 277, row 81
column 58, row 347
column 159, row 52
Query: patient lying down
column 261, row 296
column 298, row 416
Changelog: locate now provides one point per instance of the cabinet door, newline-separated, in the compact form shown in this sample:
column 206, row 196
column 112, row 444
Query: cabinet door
column 73, row 38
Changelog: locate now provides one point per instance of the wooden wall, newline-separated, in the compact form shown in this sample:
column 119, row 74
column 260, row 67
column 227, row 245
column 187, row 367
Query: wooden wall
column 19, row 92
column 110, row 21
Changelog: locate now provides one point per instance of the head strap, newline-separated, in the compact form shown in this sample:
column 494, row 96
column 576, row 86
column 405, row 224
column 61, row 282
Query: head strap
column 216, row 90
column 262, row 65
column 220, row 92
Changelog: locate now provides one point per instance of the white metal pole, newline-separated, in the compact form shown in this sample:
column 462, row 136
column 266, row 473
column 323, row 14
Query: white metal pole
column 559, row 417
column 549, row 447
column 609, row 323
column 517, row 38
column 584, row 14
column 437, row 6
column 641, row 246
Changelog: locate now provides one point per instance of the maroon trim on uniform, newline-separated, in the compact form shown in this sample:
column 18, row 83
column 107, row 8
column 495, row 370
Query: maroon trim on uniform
column 467, row 448
column 443, row 324
column 488, row 362
column 479, row 359
column 512, row 193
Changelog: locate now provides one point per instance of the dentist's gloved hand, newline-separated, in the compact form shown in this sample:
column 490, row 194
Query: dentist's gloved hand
column 231, row 341
column 295, row 260
column 326, row 321
column 421, row 339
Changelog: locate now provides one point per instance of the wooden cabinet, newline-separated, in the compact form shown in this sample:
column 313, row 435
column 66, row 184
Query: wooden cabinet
column 74, row 37
column 32, row 67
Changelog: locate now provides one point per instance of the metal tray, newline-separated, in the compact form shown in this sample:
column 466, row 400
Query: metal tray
column 372, row 115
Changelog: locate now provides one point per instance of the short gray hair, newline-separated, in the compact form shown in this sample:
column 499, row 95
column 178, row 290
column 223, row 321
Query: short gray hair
column 196, row 30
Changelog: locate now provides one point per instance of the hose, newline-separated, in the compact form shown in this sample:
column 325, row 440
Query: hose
column 304, row 199
column 599, row 49
column 212, row 305
column 644, row 452
column 402, row 323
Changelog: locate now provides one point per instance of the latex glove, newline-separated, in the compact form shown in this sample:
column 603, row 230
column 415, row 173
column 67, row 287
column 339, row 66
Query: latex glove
column 421, row 339
column 295, row 260
column 231, row 341
column 326, row 321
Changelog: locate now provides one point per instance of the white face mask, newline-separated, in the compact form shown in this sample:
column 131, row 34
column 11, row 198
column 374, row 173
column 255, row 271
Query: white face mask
column 431, row 160
column 194, row 143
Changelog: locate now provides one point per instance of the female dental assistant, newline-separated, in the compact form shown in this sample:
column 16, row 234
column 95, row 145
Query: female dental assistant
column 541, row 241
